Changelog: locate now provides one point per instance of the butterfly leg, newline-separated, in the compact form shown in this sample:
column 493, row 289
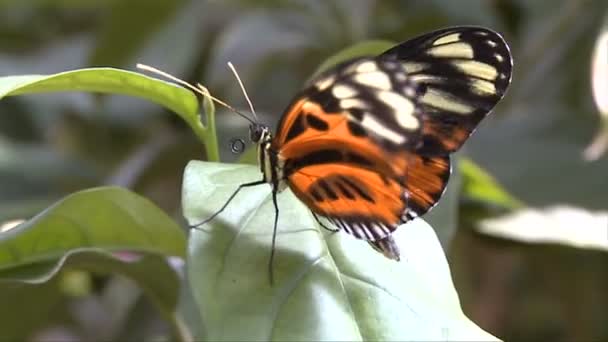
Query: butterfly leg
column 244, row 185
column 274, row 235
column 322, row 224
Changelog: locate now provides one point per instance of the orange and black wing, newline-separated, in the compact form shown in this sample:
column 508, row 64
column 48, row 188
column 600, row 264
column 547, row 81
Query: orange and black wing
column 366, row 144
column 361, row 186
column 365, row 203
column 461, row 73
column 337, row 162
column 374, row 97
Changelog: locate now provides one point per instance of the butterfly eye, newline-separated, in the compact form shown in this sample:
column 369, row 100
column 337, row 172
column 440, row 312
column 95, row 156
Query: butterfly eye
column 256, row 132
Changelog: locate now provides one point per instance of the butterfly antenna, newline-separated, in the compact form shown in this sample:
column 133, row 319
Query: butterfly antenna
column 199, row 89
column 243, row 89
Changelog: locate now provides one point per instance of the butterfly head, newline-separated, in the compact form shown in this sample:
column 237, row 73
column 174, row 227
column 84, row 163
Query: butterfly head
column 259, row 133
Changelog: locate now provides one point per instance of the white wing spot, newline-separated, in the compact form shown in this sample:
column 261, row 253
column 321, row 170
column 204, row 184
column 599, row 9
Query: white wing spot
column 409, row 91
column 400, row 76
column 353, row 103
column 367, row 66
column 450, row 38
column 342, row 91
column 411, row 67
column 391, row 65
column 491, row 43
column 404, row 109
column 324, row 83
column 427, row 79
column 477, row 69
column 373, row 125
column 456, row 50
column 374, row 79
column 499, row 58
column 483, row 88
column 444, row 101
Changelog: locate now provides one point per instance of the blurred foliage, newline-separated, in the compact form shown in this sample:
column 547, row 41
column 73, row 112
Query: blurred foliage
column 54, row 144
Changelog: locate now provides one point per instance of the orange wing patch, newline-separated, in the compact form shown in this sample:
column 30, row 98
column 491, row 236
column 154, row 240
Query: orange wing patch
column 443, row 135
column 426, row 181
column 343, row 175
column 307, row 128
column 362, row 202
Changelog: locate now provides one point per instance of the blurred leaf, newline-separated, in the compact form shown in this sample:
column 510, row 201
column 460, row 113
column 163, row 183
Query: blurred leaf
column 325, row 288
column 480, row 186
column 570, row 226
column 260, row 33
column 599, row 81
column 362, row 49
column 477, row 12
column 152, row 274
column 110, row 218
column 534, row 151
column 76, row 283
column 27, row 308
column 21, row 179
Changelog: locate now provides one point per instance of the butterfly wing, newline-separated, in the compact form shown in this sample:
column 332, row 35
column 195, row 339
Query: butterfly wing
column 356, row 183
column 462, row 73
column 374, row 97
column 365, row 203
column 366, row 144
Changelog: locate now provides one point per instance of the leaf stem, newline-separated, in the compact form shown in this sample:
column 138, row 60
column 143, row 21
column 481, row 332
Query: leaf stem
column 211, row 145
column 207, row 134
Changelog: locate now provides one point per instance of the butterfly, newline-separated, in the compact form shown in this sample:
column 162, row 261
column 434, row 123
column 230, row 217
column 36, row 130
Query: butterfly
column 366, row 144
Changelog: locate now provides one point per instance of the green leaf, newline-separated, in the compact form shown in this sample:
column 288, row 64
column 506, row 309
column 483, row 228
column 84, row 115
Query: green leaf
column 108, row 80
column 27, row 308
column 365, row 48
column 105, row 80
column 480, row 186
column 326, row 287
column 109, row 218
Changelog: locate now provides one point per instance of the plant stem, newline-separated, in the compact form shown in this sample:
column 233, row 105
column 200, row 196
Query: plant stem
column 207, row 134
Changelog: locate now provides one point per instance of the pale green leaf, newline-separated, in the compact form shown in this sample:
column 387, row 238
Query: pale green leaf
column 562, row 225
column 326, row 286
column 106, row 80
